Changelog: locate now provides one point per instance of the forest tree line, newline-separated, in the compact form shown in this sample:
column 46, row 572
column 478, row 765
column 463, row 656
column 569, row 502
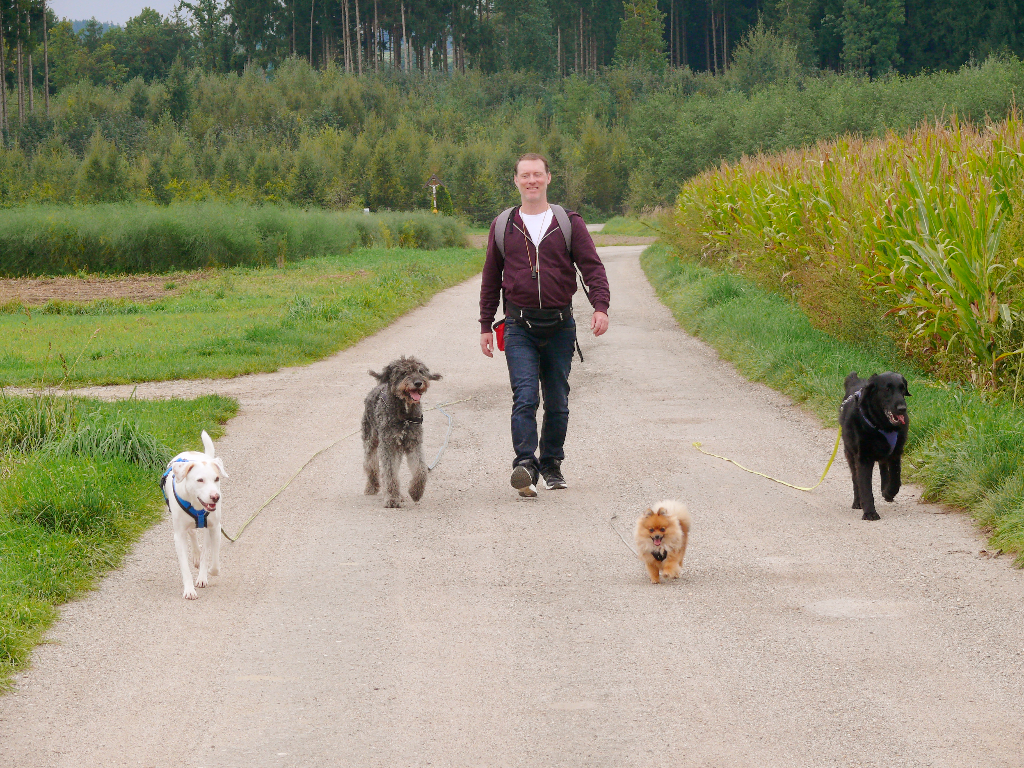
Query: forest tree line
column 620, row 139
column 551, row 37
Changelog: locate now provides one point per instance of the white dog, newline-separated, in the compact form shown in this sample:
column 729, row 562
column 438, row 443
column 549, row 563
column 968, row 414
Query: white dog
column 191, row 486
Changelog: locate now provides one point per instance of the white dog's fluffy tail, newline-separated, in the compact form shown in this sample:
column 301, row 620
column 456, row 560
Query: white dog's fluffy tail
column 207, row 444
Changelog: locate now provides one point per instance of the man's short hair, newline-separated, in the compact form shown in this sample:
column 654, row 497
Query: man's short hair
column 530, row 156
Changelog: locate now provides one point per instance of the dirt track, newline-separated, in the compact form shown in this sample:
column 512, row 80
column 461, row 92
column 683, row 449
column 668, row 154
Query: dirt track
column 479, row 629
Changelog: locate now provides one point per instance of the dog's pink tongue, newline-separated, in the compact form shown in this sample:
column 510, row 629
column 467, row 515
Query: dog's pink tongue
column 415, row 396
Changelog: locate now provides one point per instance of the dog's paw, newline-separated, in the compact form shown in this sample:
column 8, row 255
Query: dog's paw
column 202, row 582
column 871, row 516
column 214, row 570
column 371, row 490
column 393, row 504
column 190, row 594
column 416, row 494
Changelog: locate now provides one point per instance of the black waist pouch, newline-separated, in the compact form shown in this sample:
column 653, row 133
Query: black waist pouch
column 540, row 323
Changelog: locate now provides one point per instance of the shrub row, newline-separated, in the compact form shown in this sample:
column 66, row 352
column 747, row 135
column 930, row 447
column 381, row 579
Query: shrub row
column 136, row 237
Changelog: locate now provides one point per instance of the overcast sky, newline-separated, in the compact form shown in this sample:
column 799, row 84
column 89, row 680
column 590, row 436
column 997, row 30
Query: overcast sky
column 116, row 11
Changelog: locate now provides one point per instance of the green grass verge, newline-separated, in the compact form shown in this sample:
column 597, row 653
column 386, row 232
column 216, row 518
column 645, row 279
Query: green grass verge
column 241, row 320
column 77, row 489
column 964, row 449
column 629, row 225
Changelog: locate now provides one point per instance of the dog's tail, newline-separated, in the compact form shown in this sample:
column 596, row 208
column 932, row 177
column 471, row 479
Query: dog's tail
column 207, row 444
column 684, row 522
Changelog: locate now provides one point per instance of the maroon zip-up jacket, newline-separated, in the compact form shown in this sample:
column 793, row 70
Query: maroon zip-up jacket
column 555, row 283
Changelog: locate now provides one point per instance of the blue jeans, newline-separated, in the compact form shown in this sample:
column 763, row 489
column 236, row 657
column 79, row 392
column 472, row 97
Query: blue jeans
column 536, row 367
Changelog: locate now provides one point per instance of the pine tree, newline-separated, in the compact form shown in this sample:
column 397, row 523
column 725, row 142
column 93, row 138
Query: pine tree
column 871, row 33
column 641, row 39
column 527, row 35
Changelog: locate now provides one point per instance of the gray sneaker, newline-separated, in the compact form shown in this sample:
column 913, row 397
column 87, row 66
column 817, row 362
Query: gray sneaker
column 524, row 480
column 552, row 474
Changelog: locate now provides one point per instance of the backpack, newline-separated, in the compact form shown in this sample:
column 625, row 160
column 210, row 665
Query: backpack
column 501, row 223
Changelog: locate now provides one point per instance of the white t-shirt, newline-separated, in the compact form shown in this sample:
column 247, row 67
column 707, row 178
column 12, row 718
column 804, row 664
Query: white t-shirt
column 536, row 224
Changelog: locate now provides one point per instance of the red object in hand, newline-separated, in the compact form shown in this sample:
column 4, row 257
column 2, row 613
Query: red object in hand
column 499, row 334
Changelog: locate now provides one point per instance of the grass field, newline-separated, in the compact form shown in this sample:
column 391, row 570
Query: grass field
column 965, row 447
column 630, row 225
column 243, row 320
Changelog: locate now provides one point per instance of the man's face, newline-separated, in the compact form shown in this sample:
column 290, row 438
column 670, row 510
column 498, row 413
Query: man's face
column 532, row 181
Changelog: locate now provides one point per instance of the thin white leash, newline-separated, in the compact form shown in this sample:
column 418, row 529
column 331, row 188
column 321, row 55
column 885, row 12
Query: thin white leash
column 265, row 504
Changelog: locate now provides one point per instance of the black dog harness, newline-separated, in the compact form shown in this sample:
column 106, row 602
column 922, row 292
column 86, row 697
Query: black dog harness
column 659, row 555
column 199, row 515
column 890, row 436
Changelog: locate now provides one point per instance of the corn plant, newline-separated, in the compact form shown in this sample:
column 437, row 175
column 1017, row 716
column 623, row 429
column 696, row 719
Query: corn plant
column 919, row 218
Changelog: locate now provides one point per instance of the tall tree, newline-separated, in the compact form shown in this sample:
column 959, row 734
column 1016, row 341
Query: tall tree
column 641, row 39
column 871, row 33
column 210, row 29
column 527, row 35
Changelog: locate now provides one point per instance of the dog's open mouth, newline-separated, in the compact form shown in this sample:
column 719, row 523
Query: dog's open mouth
column 897, row 419
column 657, row 540
column 210, row 506
column 415, row 395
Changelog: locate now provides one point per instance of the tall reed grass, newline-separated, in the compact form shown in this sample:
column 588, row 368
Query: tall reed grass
column 137, row 237
column 904, row 235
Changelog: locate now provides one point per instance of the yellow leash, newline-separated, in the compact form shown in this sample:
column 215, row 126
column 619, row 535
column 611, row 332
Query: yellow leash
column 343, row 437
column 776, row 480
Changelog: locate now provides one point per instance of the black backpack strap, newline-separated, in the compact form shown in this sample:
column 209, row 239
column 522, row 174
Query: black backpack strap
column 500, row 225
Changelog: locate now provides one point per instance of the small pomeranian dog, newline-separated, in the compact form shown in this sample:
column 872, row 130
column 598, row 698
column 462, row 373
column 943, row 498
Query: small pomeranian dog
column 661, row 536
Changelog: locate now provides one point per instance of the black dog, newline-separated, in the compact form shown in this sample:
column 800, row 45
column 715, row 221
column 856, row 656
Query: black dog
column 874, row 421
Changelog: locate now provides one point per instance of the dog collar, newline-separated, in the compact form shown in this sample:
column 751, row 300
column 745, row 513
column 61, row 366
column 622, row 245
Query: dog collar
column 890, row 436
column 414, row 420
column 199, row 515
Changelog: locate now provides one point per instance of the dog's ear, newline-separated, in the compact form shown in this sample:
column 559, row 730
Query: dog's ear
column 377, row 376
column 220, row 465
column 906, row 391
column 434, row 376
column 182, row 468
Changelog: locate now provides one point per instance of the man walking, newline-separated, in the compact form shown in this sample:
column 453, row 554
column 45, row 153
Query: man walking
column 529, row 262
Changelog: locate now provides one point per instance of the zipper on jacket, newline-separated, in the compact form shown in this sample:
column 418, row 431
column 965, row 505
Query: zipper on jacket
column 540, row 300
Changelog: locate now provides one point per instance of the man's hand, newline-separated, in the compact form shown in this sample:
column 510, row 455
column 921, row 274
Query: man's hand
column 487, row 343
column 599, row 323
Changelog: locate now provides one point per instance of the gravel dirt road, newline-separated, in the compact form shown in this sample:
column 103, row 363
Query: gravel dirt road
column 476, row 628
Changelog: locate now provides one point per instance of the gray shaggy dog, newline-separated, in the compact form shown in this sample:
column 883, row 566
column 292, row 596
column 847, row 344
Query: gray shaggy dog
column 393, row 428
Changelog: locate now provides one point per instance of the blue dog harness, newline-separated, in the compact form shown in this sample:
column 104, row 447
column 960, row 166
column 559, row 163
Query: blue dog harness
column 199, row 515
column 890, row 437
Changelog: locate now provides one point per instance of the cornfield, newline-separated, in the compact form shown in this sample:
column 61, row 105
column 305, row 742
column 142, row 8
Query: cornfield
column 922, row 231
